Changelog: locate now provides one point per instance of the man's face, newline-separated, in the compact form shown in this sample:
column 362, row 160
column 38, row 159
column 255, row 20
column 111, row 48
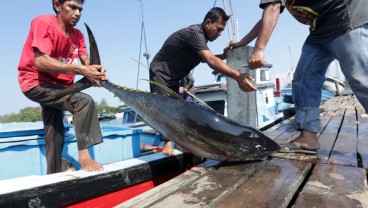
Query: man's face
column 70, row 12
column 213, row 29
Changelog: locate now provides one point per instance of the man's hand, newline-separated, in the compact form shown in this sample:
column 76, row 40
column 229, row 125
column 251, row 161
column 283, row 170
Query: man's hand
column 95, row 73
column 256, row 60
column 244, row 81
column 228, row 47
column 234, row 45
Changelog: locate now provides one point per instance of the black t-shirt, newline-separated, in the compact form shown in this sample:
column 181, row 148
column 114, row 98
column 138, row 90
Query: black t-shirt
column 328, row 19
column 178, row 55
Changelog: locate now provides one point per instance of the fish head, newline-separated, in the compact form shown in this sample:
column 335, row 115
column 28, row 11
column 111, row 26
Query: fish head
column 253, row 145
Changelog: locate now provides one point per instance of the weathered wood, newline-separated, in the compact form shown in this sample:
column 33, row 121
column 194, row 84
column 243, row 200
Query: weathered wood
column 282, row 139
column 322, row 155
column 363, row 138
column 209, row 189
column 334, row 186
column 345, row 149
column 332, row 104
column 287, row 136
column 283, row 122
column 160, row 192
column 328, row 136
column 278, row 130
column 290, row 156
column 273, row 186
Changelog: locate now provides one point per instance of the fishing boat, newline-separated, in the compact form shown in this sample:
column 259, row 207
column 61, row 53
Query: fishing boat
column 106, row 116
column 130, row 167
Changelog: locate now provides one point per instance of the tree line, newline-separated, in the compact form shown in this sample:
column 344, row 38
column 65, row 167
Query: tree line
column 33, row 114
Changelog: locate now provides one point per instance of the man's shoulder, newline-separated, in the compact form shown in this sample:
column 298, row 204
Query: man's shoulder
column 44, row 18
column 191, row 30
column 196, row 27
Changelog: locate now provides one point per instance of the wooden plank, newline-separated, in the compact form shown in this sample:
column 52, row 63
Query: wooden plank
column 325, row 118
column 273, row 186
column 287, row 136
column 324, row 138
column 334, row 186
column 279, row 125
column 328, row 136
column 290, row 156
column 273, row 133
column 209, row 189
column 332, row 104
column 363, row 138
column 163, row 190
column 345, row 150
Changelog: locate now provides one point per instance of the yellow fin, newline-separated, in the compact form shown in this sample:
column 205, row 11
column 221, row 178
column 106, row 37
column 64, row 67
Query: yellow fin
column 164, row 89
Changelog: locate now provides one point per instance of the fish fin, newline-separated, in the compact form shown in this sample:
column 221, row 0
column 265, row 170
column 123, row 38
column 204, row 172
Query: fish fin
column 94, row 55
column 164, row 89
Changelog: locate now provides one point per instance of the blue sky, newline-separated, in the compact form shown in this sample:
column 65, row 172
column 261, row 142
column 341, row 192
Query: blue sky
column 117, row 29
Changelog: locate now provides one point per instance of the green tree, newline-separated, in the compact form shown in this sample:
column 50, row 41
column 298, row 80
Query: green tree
column 32, row 114
column 28, row 114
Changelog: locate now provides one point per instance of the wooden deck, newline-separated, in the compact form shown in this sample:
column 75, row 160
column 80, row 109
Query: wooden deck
column 335, row 177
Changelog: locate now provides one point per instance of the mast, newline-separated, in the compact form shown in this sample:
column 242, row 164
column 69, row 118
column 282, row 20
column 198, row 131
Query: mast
column 291, row 73
column 143, row 37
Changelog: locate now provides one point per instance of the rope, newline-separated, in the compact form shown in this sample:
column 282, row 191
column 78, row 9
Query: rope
column 232, row 18
column 228, row 28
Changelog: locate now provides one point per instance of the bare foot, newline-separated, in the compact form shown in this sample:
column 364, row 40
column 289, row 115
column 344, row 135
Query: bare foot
column 168, row 150
column 87, row 163
column 307, row 140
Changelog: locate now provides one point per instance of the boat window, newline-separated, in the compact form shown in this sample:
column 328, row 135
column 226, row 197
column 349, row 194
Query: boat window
column 264, row 75
column 221, row 78
column 218, row 105
column 129, row 117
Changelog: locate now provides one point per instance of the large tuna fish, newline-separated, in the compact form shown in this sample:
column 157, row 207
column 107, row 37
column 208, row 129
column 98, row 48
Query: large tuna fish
column 197, row 129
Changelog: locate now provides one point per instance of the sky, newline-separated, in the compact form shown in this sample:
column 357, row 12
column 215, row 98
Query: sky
column 117, row 27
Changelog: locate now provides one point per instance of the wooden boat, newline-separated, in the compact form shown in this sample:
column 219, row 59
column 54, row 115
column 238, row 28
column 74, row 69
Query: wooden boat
column 106, row 116
column 130, row 168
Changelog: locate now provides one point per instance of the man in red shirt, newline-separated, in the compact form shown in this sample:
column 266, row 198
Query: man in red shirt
column 49, row 62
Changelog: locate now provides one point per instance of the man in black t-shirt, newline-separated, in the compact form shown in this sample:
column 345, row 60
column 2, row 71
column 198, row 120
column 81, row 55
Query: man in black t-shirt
column 338, row 30
column 186, row 48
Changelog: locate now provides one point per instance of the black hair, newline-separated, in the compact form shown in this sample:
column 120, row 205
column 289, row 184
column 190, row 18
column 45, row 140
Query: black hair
column 61, row 2
column 215, row 13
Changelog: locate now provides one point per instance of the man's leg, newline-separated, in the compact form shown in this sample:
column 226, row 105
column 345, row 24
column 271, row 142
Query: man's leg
column 307, row 85
column 351, row 50
column 87, row 129
column 54, row 137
